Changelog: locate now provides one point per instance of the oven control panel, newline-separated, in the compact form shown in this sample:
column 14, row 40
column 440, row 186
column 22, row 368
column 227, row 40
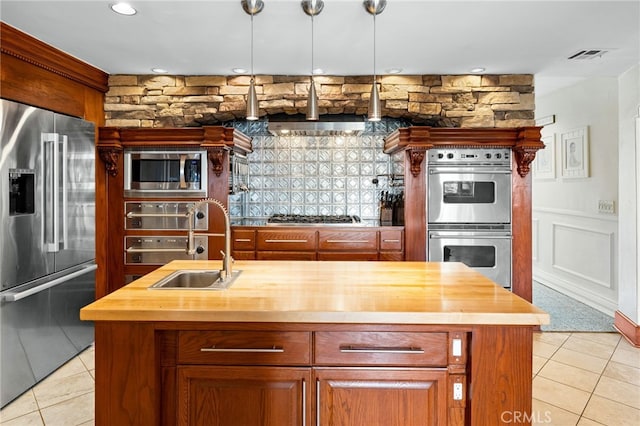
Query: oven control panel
column 492, row 156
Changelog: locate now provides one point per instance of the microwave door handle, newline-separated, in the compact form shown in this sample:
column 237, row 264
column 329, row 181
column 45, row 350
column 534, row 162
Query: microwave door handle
column 183, row 161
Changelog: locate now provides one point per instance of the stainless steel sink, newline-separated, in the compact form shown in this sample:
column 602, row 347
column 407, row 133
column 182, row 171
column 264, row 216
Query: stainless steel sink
column 197, row 279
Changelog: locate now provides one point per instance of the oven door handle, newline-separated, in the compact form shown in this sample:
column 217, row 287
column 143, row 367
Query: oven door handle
column 464, row 235
column 467, row 171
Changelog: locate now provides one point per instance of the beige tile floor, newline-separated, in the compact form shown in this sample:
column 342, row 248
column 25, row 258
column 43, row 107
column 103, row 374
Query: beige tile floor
column 582, row 379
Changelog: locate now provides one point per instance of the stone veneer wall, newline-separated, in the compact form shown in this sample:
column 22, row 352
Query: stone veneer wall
column 435, row 100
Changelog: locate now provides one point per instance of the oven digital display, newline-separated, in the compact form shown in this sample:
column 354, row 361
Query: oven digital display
column 468, row 192
column 472, row 256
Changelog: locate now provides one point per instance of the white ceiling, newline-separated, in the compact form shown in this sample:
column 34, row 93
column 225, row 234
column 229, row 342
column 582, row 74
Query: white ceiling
column 421, row 37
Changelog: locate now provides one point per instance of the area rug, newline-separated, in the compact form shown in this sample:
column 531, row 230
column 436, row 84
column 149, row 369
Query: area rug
column 568, row 314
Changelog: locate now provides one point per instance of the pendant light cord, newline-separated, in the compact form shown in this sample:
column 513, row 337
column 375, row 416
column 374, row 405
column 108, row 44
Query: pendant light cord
column 251, row 46
column 374, row 48
column 312, row 49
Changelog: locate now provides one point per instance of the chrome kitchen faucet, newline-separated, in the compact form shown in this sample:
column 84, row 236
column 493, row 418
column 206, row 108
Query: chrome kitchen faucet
column 227, row 261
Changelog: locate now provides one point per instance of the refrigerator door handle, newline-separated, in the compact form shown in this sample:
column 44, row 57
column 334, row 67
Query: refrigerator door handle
column 64, row 177
column 49, row 193
column 58, row 206
column 14, row 297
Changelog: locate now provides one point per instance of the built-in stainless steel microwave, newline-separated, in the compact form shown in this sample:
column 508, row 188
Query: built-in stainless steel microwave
column 165, row 173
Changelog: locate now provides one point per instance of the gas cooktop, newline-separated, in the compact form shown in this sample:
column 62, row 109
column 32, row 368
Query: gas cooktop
column 310, row 220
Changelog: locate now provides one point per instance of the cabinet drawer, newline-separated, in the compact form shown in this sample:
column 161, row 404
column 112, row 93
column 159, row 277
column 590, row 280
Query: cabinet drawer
column 244, row 255
column 244, row 347
column 286, row 255
column 381, row 348
column 243, row 239
column 391, row 240
column 347, row 240
column 372, row 256
column 286, row 240
column 392, row 256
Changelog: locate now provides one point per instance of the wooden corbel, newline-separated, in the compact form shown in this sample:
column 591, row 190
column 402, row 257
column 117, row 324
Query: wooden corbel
column 216, row 156
column 525, row 148
column 416, row 157
column 110, row 156
column 524, row 157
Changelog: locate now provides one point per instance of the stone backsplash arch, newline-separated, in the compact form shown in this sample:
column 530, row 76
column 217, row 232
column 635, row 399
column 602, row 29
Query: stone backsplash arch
column 481, row 101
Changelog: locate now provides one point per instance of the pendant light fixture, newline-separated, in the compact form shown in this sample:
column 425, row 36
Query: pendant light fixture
column 252, row 7
column 374, row 7
column 312, row 8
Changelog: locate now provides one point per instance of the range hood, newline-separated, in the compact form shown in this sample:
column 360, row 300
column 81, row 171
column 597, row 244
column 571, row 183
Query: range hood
column 296, row 125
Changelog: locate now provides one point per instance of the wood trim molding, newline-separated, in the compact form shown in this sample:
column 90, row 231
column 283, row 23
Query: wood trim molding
column 215, row 139
column 22, row 46
column 629, row 330
column 524, row 142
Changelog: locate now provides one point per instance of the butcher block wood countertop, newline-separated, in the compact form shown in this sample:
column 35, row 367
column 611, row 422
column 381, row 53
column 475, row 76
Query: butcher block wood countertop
column 324, row 292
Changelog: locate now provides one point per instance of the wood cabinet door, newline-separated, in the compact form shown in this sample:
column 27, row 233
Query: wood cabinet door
column 378, row 396
column 243, row 396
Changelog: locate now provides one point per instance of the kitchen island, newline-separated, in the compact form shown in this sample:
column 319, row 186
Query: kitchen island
column 294, row 343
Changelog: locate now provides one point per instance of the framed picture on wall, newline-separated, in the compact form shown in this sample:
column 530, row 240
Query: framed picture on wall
column 575, row 153
column 544, row 166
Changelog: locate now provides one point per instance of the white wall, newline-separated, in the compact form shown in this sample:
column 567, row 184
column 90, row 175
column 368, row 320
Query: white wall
column 629, row 183
column 575, row 247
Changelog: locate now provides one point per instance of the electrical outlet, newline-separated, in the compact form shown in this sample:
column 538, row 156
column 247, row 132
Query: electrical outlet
column 457, row 391
column 606, row 206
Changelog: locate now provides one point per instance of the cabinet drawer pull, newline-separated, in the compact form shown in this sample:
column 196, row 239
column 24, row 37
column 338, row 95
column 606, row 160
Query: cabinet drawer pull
column 285, row 241
column 242, row 240
column 348, row 241
column 273, row 349
column 390, row 241
column 379, row 350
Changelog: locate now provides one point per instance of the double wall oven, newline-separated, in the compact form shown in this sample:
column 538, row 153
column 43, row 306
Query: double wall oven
column 469, row 209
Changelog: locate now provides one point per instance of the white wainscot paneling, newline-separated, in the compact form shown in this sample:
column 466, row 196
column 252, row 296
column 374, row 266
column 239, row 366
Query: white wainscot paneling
column 584, row 253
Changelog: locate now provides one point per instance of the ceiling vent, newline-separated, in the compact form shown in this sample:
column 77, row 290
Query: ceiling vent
column 588, row 54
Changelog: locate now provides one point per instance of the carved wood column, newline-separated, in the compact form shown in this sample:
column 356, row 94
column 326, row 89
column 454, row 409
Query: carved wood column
column 526, row 145
column 414, row 142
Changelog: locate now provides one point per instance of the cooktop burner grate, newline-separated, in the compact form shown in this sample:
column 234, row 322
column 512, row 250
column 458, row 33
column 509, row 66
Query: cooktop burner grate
column 297, row 219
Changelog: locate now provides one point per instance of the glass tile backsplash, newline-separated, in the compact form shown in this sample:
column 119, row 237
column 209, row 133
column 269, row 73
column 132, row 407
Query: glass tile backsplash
column 317, row 175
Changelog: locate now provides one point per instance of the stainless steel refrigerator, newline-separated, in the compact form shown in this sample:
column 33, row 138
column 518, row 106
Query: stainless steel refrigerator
column 47, row 242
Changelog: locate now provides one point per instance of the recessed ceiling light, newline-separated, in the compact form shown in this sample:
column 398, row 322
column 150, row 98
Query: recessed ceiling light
column 477, row 70
column 318, row 71
column 123, row 9
column 239, row 70
column 159, row 70
column 394, row 70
